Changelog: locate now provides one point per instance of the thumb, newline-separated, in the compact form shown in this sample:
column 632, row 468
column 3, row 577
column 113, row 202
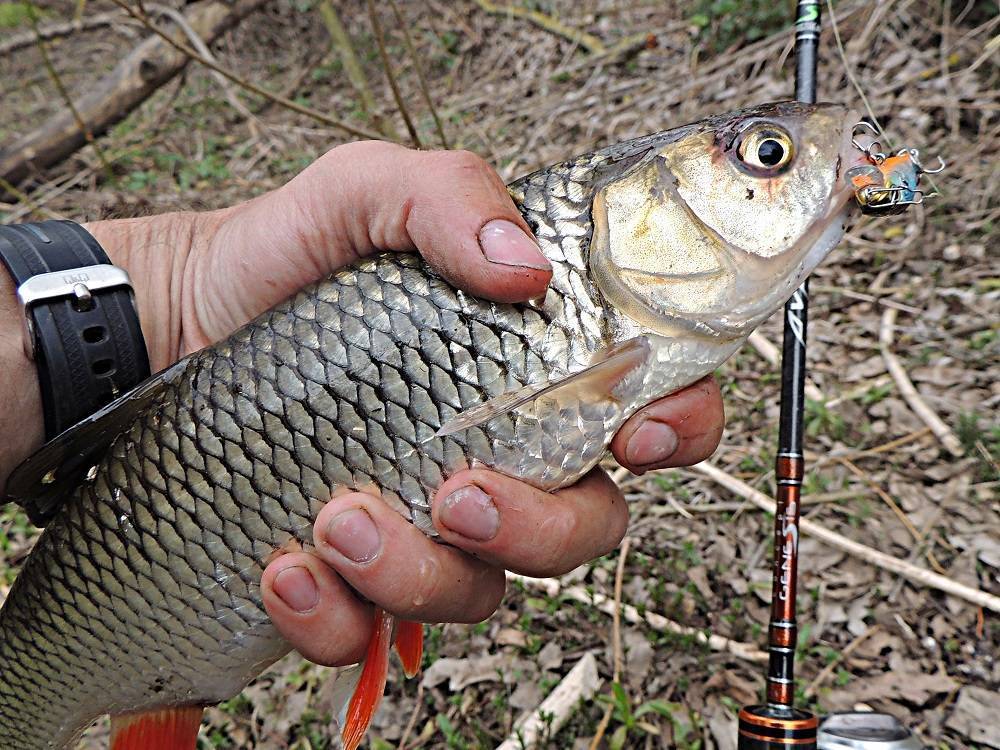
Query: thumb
column 363, row 198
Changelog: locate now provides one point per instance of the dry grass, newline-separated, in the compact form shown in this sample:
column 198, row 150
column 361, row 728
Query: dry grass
column 523, row 96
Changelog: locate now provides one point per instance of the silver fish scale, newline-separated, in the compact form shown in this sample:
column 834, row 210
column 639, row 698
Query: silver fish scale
column 144, row 591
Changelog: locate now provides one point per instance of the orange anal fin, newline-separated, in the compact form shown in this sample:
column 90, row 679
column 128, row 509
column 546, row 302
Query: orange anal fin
column 371, row 684
column 410, row 645
column 165, row 729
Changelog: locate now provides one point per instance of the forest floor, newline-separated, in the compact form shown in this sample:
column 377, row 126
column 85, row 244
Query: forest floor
column 522, row 96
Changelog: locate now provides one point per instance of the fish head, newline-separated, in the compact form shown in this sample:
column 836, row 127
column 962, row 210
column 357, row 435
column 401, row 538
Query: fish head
column 714, row 228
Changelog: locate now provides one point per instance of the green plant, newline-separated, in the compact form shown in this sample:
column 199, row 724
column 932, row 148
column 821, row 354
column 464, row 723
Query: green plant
column 975, row 439
column 452, row 738
column 820, row 418
column 876, row 394
column 687, row 733
column 13, row 15
column 723, row 24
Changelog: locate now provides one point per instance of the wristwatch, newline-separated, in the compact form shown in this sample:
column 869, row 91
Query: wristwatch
column 79, row 319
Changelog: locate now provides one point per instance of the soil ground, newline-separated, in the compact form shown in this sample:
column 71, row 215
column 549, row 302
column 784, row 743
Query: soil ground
column 523, row 96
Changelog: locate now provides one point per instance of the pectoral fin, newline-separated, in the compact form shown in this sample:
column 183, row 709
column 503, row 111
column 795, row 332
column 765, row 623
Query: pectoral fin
column 599, row 379
column 166, row 729
column 410, row 645
column 371, row 684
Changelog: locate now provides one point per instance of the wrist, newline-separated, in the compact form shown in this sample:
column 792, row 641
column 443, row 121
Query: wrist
column 155, row 251
column 20, row 395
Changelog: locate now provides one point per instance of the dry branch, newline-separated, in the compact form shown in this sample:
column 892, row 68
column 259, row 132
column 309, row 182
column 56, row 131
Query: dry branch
column 578, row 685
column 352, row 67
column 150, row 65
column 419, row 70
column 82, row 126
column 943, row 432
column 390, row 75
column 543, row 21
column 772, row 356
column 199, row 44
column 887, row 562
column 552, row 587
column 58, row 30
column 278, row 99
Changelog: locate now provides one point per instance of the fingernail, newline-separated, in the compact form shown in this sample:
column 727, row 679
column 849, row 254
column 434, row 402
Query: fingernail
column 470, row 512
column 652, row 443
column 354, row 535
column 296, row 587
column 504, row 242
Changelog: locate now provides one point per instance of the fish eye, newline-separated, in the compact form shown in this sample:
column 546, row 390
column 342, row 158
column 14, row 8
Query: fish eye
column 766, row 148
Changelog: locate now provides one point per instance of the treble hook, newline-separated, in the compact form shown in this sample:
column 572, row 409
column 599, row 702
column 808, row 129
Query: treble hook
column 939, row 169
column 872, row 150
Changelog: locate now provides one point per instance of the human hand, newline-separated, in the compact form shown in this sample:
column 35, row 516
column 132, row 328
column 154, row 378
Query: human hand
column 225, row 267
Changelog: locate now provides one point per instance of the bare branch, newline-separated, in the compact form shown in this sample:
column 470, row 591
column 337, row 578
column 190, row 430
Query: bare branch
column 909, row 393
column 549, row 23
column 915, row 573
column 387, row 67
column 418, row 69
column 58, row 30
column 352, row 67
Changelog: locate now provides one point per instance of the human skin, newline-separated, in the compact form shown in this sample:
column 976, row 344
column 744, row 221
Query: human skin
column 200, row 276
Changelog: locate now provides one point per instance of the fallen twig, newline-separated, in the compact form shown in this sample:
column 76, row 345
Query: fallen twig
column 579, row 684
column 553, row 587
column 58, row 30
column 887, row 499
column 352, row 67
column 390, row 75
column 198, row 43
column 825, row 673
column 144, row 70
column 419, row 70
column 772, row 356
column 418, row 703
column 84, row 129
column 886, row 562
column 549, row 23
column 243, row 83
column 909, row 393
column 616, row 642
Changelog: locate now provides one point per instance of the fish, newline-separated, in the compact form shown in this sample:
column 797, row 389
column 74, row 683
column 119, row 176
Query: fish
column 141, row 599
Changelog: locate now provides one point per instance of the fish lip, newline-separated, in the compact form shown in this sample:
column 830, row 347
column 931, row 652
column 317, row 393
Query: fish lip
column 850, row 155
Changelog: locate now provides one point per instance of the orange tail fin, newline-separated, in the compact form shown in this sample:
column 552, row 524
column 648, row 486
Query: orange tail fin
column 371, row 685
column 167, row 729
column 410, row 645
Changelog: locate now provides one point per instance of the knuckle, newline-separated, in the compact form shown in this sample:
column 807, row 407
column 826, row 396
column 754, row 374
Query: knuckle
column 463, row 163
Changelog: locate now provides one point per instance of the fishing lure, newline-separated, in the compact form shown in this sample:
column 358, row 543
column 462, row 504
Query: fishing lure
column 889, row 183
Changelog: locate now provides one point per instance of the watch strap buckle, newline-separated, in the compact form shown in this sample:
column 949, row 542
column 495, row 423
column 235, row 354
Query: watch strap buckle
column 78, row 283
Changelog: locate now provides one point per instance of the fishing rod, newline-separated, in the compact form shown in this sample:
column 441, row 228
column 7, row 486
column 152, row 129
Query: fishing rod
column 777, row 724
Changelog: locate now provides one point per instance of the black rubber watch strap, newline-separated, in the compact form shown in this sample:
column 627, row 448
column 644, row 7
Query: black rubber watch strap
column 89, row 350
